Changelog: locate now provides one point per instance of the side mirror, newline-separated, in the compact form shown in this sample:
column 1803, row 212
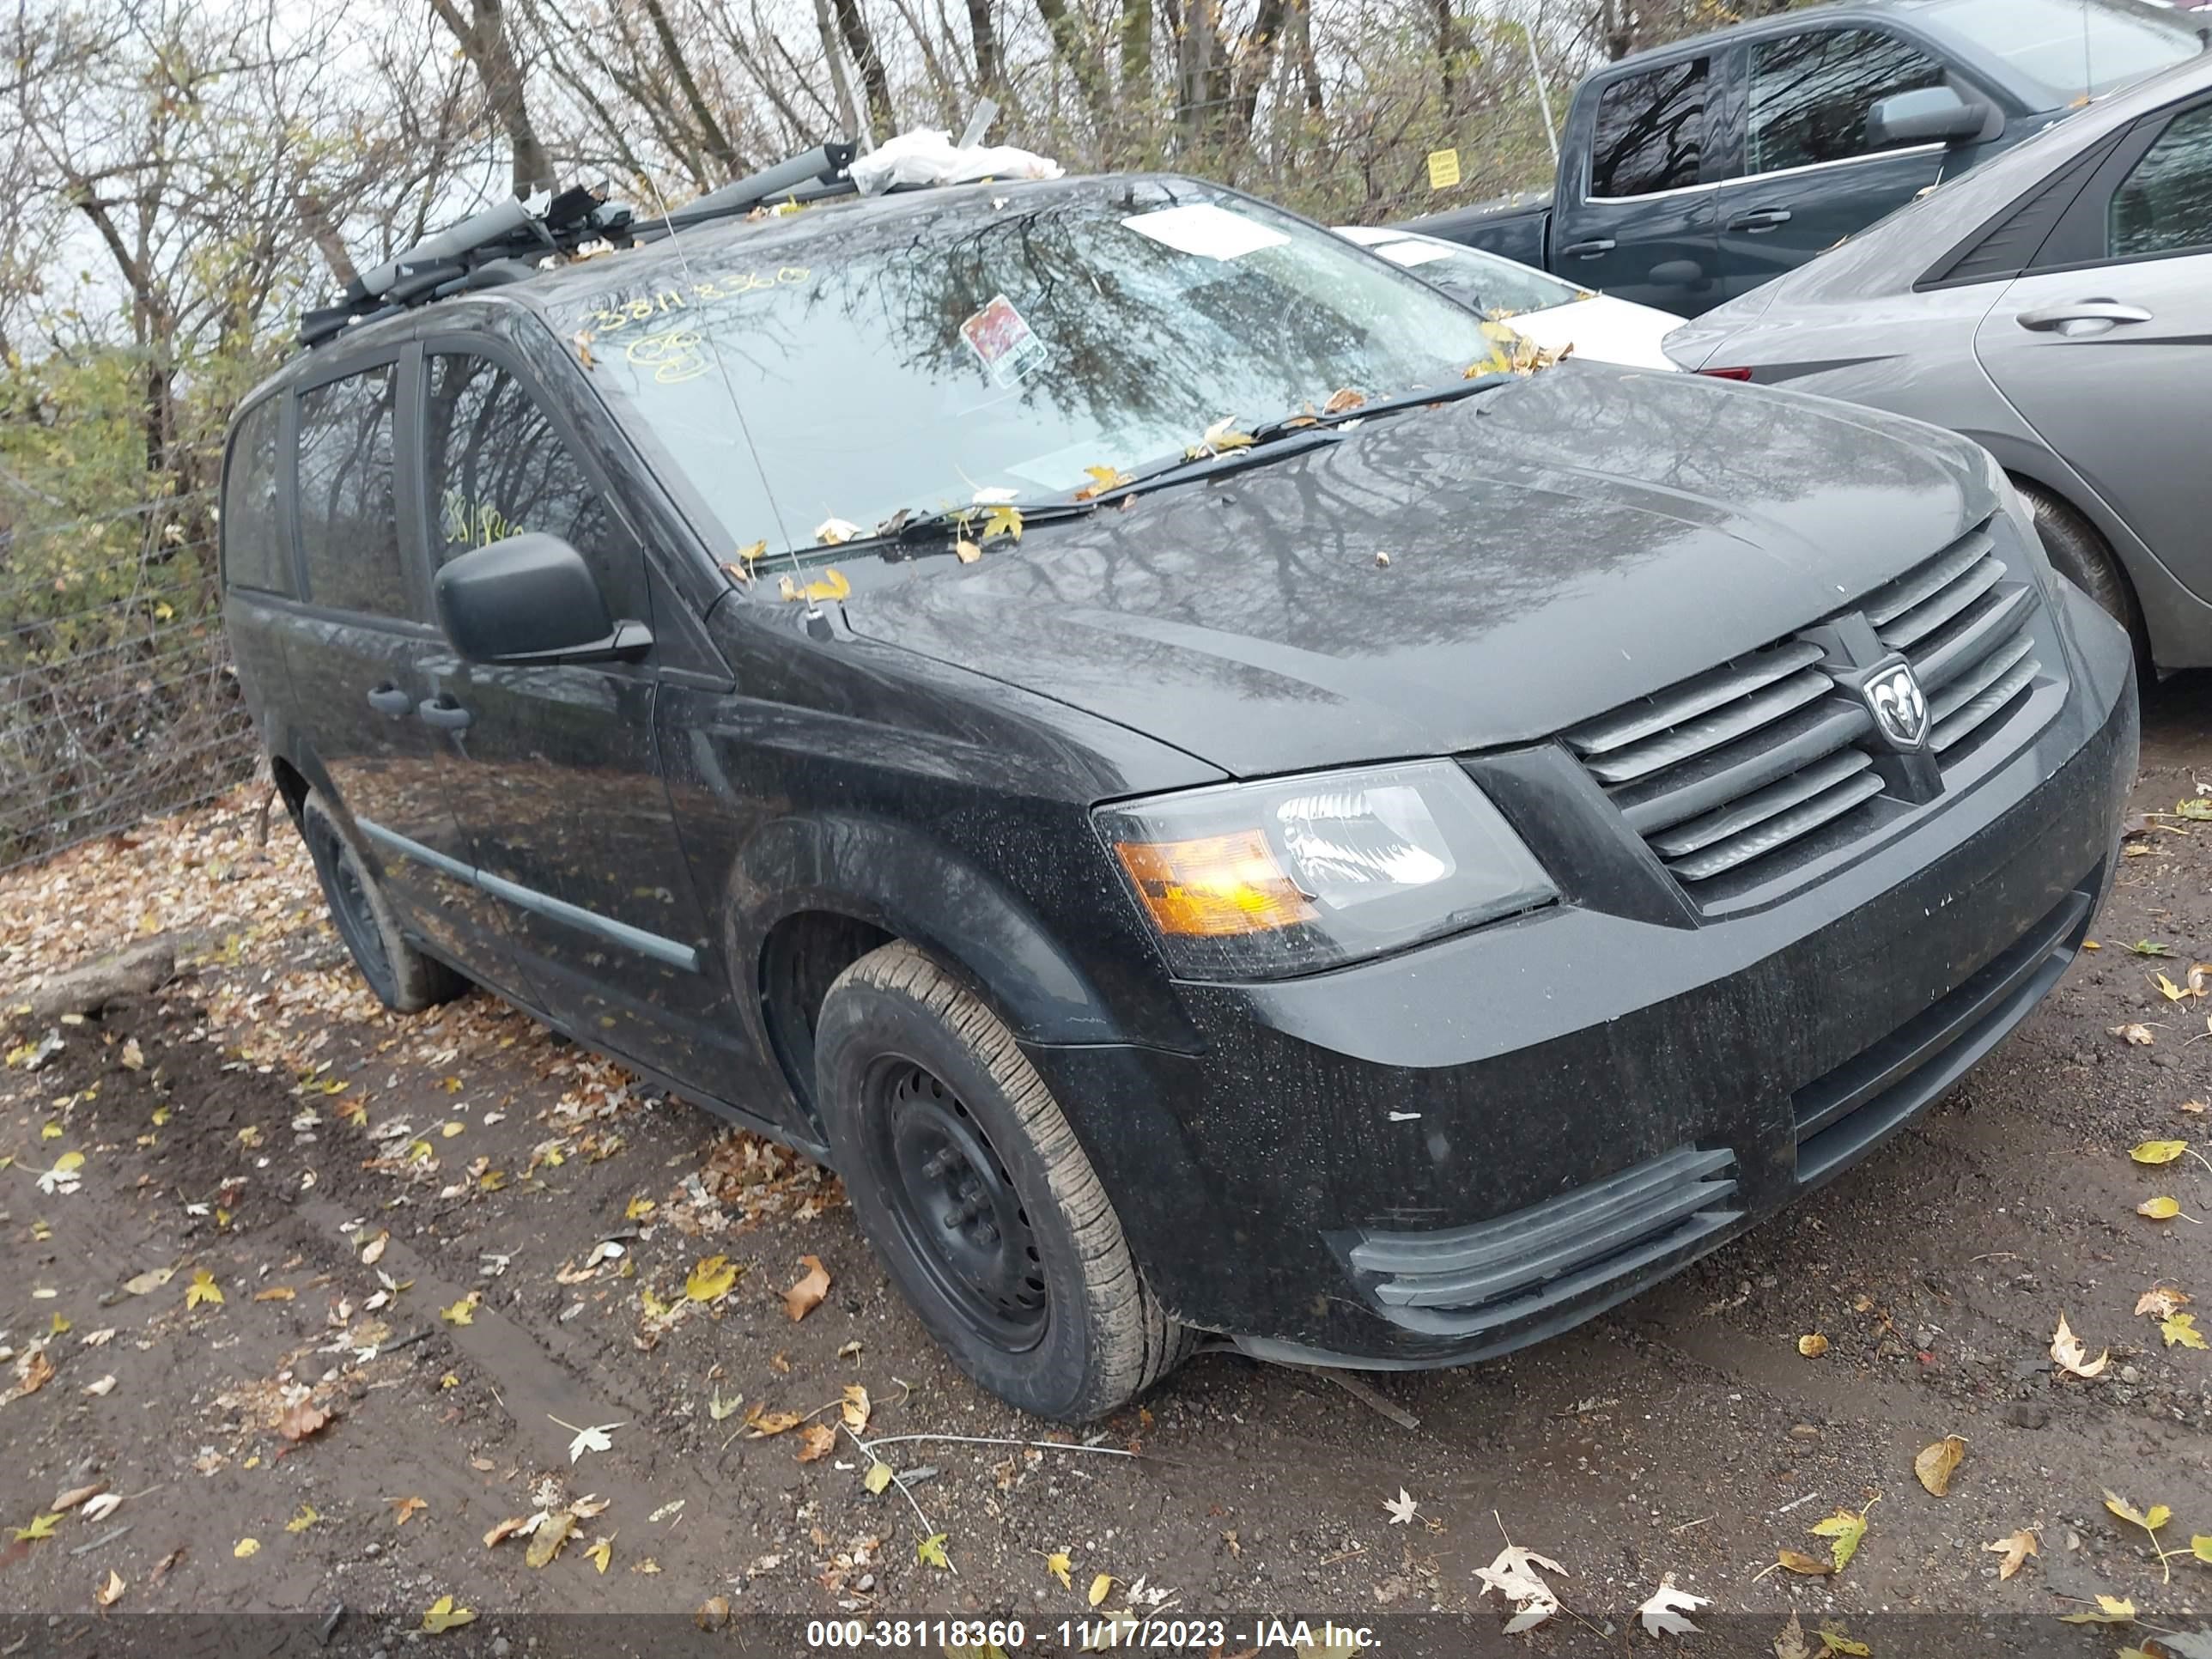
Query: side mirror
column 1927, row 115
column 531, row 599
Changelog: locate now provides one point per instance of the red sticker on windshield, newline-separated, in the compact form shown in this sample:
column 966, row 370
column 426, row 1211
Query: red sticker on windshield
column 1006, row 346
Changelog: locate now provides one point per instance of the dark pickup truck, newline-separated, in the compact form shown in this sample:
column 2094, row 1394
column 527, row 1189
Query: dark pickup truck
column 1692, row 174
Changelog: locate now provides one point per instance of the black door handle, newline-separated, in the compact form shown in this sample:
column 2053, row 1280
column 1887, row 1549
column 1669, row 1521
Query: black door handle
column 1760, row 219
column 442, row 712
column 389, row 699
column 1590, row 249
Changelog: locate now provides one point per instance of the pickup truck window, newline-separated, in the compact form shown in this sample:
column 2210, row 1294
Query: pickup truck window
column 2164, row 206
column 1810, row 94
column 1650, row 132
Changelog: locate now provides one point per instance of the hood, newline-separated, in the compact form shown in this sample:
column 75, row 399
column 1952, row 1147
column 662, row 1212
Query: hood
column 1482, row 574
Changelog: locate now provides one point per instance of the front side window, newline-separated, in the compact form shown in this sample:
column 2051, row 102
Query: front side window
column 253, row 554
column 2165, row 204
column 1810, row 94
column 347, row 516
column 854, row 361
column 1492, row 286
column 499, row 468
column 1650, row 132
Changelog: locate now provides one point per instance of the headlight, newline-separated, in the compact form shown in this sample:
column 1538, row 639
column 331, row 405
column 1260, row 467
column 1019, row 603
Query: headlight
column 1290, row 875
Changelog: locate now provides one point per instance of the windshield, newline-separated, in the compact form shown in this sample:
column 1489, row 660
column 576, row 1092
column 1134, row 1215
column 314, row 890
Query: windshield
column 1492, row 286
column 1000, row 341
column 2072, row 48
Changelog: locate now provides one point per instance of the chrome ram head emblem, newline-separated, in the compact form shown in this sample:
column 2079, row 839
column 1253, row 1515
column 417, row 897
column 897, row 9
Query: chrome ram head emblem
column 1899, row 708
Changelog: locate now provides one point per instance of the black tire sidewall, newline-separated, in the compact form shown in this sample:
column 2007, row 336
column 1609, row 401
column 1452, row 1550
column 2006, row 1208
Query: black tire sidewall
column 862, row 1023
column 327, row 845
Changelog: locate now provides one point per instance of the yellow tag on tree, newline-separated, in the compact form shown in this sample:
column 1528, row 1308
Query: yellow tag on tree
column 1444, row 168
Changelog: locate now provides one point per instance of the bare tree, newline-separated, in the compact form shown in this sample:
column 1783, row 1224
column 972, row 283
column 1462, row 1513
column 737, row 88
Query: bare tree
column 483, row 37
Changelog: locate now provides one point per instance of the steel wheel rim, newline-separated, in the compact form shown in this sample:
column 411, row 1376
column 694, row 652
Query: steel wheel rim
column 953, row 1202
column 346, row 890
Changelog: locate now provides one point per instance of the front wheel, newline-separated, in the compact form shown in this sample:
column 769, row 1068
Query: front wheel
column 403, row 979
column 971, row 1187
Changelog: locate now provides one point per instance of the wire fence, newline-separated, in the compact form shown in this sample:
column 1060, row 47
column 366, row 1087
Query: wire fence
column 117, row 700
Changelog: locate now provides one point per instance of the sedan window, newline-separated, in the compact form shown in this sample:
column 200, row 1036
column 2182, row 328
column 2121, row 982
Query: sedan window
column 1810, row 94
column 2165, row 204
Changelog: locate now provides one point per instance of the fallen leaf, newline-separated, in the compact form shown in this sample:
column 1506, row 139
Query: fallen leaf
column 1099, row 1588
column 878, row 1478
column 602, row 1550
column 64, row 1501
column 443, row 1615
column 1343, row 399
column 1798, row 1561
column 1662, row 1612
column 1790, row 1641
column 718, row 1409
column 711, row 1277
column 99, row 1389
column 712, row 1613
column 407, row 1509
column 1936, row 1463
column 507, row 1528
column 647, row 1565
column 1513, row 1574
column 931, row 1552
column 202, row 1288
column 372, row 1252
column 305, row 1518
column 965, row 550
column 42, row 1526
column 2134, row 1032
column 275, row 1293
column 246, row 1548
column 2016, row 1547
column 1059, row 1566
column 2143, row 947
column 1813, row 1347
column 99, row 1508
column 33, row 1371
column 108, row 1594
column 152, row 1279
column 835, row 532
column 2180, row 1330
column 1834, row 1641
column 2149, row 1520
column 2111, row 1610
column 2158, row 1152
column 598, row 1437
column 2200, row 1545
column 831, row 585
column 855, row 1407
column 2066, row 1350
column 802, row 1298
column 1843, row 1530
column 546, row 1543
column 300, row 1420
column 462, row 1312
column 764, row 1423
column 1400, row 1507
column 1002, row 521
column 2160, row 1209
column 817, row 1440
column 2161, row 1302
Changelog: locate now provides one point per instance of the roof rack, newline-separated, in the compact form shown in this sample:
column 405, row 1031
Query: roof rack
column 503, row 243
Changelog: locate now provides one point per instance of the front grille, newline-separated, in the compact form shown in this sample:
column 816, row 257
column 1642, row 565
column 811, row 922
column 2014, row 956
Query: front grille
column 1764, row 753
column 1464, row 1281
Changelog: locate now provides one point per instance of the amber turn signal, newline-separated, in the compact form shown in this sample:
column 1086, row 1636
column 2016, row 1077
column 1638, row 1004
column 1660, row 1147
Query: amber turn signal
column 1214, row 885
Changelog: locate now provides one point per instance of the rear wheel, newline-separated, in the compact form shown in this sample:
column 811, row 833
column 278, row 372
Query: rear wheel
column 403, row 978
column 2084, row 558
column 971, row 1187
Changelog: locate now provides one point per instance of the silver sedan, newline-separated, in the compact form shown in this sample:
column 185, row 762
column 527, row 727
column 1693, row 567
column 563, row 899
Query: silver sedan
column 2054, row 304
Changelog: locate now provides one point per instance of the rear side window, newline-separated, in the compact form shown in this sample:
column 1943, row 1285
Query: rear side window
column 253, row 554
column 1650, row 132
column 499, row 467
column 1810, row 94
column 347, row 516
column 2165, row 204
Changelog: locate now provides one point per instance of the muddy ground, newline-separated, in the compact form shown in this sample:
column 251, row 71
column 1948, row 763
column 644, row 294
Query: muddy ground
column 239, row 1124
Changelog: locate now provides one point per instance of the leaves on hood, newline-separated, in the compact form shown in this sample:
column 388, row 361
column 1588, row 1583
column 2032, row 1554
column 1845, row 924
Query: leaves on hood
column 802, row 1298
column 442, row 1616
column 1514, row 1576
column 1935, row 1464
column 2016, row 1547
column 830, row 585
column 1663, row 1610
column 834, row 531
column 2068, row 1353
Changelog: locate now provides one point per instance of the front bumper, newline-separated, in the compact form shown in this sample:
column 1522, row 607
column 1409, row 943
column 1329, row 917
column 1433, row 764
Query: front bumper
column 1465, row 1148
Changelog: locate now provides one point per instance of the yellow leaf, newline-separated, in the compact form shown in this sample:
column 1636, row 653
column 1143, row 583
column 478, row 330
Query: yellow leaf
column 2201, row 1547
column 2070, row 1356
column 1058, row 1565
column 1004, row 520
column 245, row 1547
column 462, row 1312
column 856, row 1405
column 2111, row 1610
column 50, row 1132
column 305, row 1518
column 161, row 1116
column 2158, row 1152
column 931, row 1552
column 1834, row 1639
column 878, row 1478
column 1798, row 1561
column 1102, row 479
column 1223, row 435
column 202, row 1288
column 2160, row 1209
column 60, row 1326
column 443, row 1615
column 2168, row 989
column 275, row 1293
column 711, row 1277
column 640, row 1206
column 69, row 1163
column 2150, row 1521
column 1936, row 1463
column 1843, row 1530
column 2016, row 1548
column 2181, row 1329
column 831, row 585
column 546, row 1543
column 764, row 1423
column 1813, row 1347
column 602, row 1552
column 1099, row 1587
column 42, row 1526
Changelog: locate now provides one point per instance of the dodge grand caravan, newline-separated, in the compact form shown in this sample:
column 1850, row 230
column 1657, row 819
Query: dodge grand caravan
column 1071, row 703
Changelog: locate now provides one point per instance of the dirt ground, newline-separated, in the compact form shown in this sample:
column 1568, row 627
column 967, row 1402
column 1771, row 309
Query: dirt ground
column 408, row 1221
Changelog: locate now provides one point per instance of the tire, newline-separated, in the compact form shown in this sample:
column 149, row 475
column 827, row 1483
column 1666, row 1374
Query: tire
column 403, row 979
column 932, row 1111
column 2084, row 558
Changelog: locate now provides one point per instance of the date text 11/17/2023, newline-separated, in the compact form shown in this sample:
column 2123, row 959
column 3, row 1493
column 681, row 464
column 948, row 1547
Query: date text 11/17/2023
column 1127, row 1635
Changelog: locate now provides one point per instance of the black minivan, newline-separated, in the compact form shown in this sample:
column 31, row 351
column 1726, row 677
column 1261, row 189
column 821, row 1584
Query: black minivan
column 1081, row 705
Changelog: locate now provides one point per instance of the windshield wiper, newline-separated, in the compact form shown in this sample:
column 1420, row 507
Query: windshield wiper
column 905, row 532
column 1419, row 397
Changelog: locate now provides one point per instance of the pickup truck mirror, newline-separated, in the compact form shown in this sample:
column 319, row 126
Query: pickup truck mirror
column 1926, row 116
column 531, row 599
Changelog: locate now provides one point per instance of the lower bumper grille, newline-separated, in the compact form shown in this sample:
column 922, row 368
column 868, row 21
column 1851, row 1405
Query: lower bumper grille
column 1464, row 1281
column 1842, row 1116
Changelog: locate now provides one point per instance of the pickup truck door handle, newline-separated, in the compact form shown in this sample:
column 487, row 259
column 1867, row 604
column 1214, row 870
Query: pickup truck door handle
column 2074, row 317
column 442, row 712
column 389, row 699
column 1760, row 219
column 1591, row 249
